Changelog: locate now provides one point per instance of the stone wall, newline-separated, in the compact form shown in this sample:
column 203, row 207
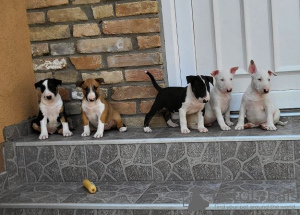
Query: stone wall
column 117, row 40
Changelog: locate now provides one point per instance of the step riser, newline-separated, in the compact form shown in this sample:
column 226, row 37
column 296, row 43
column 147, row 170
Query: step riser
column 268, row 160
column 141, row 212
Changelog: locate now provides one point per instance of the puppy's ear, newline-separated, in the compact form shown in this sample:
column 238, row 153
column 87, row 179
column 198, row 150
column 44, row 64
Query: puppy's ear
column 214, row 73
column 79, row 83
column 272, row 73
column 190, row 78
column 208, row 79
column 100, row 80
column 38, row 84
column 233, row 70
column 57, row 82
column 252, row 68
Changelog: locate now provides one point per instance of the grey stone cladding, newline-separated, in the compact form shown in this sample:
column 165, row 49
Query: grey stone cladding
column 268, row 160
column 141, row 212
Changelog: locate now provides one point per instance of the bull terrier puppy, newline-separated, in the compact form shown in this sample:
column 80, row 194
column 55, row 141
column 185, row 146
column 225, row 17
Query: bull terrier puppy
column 97, row 111
column 186, row 100
column 256, row 103
column 219, row 103
column 52, row 117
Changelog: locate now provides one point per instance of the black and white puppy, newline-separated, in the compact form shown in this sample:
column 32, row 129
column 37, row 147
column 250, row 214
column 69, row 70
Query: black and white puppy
column 185, row 100
column 52, row 117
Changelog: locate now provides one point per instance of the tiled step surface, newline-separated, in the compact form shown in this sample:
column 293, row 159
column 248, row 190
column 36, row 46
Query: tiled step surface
column 142, row 197
column 163, row 155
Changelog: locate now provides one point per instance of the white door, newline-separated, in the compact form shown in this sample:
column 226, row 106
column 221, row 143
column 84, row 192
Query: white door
column 204, row 35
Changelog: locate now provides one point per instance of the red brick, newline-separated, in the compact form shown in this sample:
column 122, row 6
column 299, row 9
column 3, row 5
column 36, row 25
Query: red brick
column 32, row 4
column 86, row 30
column 147, row 42
column 42, row 76
column 125, row 107
column 67, row 76
column 141, row 59
column 85, row 1
column 39, row 49
column 49, row 33
column 65, row 15
column 131, row 26
column 103, row 11
column 138, row 122
column 111, row 77
column 64, row 93
column 49, row 63
column 36, row 18
column 112, row 44
column 87, row 62
column 133, row 92
column 136, row 8
column 145, row 106
column 140, row 75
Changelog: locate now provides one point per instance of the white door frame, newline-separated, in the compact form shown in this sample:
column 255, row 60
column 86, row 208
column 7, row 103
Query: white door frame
column 181, row 61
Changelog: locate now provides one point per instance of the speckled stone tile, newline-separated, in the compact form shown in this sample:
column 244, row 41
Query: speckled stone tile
column 293, row 127
column 257, row 191
column 45, row 192
column 178, row 192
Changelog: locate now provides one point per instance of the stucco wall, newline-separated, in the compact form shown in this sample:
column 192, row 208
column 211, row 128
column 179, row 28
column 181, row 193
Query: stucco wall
column 17, row 94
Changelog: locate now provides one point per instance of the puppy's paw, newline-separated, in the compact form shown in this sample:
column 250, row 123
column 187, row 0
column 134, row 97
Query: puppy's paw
column 98, row 135
column 229, row 123
column 172, row 124
column 239, row 127
column 185, row 130
column 147, row 129
column 269, row 127
column 43, row 136
column 225, row 128
column 86, row 134
column 67, row 133
column 203, row 130
column 123, row 129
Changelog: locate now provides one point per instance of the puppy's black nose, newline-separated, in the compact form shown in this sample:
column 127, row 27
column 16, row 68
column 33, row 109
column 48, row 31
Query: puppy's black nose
column 229, row 90
column 92, row 100
column 266, row 91
column 205, row 101
column 49, row 97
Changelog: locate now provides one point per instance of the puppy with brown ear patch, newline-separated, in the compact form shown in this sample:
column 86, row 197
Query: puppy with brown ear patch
column 97, row 111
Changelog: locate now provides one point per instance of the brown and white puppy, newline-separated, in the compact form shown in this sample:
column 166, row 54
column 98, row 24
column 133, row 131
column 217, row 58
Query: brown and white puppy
column 97, row 111
column 52, row 117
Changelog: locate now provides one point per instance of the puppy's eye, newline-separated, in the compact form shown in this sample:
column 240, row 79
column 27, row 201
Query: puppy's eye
column 95, row 88
column 222, row 79
column 86, row 89
column 269, row 79
column 259, row 79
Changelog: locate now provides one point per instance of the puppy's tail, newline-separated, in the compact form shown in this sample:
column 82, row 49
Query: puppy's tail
column 281, row 123
column 157, row 87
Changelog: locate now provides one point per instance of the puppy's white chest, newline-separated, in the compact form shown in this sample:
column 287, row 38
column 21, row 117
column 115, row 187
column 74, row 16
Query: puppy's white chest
column 194, row 106
column 51, row 113
column 93, row 111
column 224, row 103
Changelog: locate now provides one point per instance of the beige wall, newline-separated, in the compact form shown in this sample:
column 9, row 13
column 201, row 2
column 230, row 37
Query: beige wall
column 17, row 94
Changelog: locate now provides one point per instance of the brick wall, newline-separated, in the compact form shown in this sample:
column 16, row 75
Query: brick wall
column 117, row 40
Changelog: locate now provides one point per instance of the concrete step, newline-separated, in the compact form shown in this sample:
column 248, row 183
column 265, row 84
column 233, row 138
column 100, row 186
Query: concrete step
column 131, row 163
column 163, row 155
column 172, row 197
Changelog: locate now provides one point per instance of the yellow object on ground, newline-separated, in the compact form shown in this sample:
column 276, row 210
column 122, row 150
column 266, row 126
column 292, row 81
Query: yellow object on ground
column 90, row 186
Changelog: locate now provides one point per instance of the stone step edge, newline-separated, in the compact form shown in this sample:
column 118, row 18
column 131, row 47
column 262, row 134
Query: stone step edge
column 167, row 206
column 162, row 140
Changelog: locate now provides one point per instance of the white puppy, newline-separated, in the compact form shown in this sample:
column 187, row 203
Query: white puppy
column 219, row 103
column 256, row 103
